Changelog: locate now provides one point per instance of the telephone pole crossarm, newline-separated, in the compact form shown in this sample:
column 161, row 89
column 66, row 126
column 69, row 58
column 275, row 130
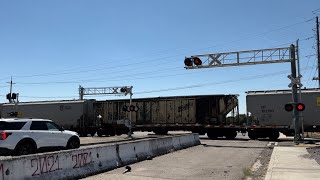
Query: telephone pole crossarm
column 252, row 57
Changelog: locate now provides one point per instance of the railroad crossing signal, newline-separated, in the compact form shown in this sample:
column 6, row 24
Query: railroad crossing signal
column 192, row 60
column 12, row 96
column 299, row 106
column 130, row 108
column 288, row 107
column 294, row 81
column 126, row 90
column 13, row 114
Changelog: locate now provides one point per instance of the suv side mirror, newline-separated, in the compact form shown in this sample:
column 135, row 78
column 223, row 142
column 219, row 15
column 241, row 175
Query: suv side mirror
column 61, row 129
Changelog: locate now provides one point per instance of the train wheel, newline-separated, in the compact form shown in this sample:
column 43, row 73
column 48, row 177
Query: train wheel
column 112, row 132
column 252, row 135
column 92, row 133
column 212, row 135
column 118, row 133
column 100, row 132
column 161, row 132
column 231, row 135
column 274, row 135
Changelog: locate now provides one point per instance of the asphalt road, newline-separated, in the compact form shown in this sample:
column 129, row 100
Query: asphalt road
column 213, row 159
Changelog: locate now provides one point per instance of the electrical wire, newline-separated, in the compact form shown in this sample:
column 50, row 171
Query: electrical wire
column 309, row 79
column 184, row 87
column 216, row 83
column 113, row 78
column 133, row 77
column 64, row 72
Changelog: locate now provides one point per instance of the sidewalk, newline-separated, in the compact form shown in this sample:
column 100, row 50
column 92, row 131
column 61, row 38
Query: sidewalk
column 292, row 163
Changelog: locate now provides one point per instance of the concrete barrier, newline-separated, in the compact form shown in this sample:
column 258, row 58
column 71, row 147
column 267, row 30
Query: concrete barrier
column 90, row 160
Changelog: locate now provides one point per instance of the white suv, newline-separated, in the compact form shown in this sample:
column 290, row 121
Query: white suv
column 27, row 136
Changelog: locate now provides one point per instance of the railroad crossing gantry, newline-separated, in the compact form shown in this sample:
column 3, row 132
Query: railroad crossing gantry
column 117, row 90
column 254, row 57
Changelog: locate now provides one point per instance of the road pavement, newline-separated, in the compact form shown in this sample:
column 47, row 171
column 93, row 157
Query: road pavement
column 213, row 159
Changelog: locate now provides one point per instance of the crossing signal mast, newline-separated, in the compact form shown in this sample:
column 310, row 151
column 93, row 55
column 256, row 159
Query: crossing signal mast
column 117, row 90
column 255, row 57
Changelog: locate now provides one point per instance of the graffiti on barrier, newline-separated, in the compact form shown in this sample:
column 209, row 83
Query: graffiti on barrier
column 82, row 159
column 45, row 164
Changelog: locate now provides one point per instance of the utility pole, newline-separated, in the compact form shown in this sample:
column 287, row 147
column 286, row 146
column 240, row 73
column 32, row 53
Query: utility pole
column 10, row 99
column 318, row 48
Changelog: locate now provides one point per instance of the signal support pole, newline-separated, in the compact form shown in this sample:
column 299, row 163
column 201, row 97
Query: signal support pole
column 296, row 119
column 109, row 91
column 255, row 57
column 318, row 49
column 300, row 85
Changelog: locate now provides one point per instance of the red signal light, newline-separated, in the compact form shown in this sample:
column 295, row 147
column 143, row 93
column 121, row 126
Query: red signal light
column 197, row 61
column 123, row 90
column 130, row 108
column 188, row 62
column 134, row 108
column 300, row 107
column 288, row 107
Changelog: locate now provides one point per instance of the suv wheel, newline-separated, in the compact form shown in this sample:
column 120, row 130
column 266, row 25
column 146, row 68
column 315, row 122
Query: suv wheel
column 73, row 143
column 24, row 148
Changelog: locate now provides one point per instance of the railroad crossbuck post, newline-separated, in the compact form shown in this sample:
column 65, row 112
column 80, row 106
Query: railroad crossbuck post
column 255, row 57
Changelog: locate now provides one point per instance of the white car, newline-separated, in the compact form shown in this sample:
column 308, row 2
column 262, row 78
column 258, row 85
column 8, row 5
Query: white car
column 27, row 136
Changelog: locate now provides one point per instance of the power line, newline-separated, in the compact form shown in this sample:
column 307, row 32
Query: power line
column 50, row 97
column 186, row 87
column 215, row 83
column 113, row 78
column 310, row 53
column 309, row 79
column 314, row 11
column 64, row 72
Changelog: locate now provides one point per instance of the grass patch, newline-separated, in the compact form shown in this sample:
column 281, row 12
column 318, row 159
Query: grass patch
column 247, row 172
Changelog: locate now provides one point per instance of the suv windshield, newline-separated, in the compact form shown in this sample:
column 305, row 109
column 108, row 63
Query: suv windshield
column 11, row 125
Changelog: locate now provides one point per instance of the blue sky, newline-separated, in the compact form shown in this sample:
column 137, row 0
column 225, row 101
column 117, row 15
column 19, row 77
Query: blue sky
column 52, row 47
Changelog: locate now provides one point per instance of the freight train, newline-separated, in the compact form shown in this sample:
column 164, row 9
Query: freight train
column 203, row 114
column 199, row 114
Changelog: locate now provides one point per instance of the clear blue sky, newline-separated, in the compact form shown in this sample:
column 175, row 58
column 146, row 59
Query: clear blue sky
column 52, row 47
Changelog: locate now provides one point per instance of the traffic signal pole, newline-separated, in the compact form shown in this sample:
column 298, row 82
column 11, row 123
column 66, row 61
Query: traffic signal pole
column 296, row 119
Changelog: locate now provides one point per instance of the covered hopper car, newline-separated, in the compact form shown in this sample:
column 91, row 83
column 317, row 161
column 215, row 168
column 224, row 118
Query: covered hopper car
column 76, row 115
column 201, row 114
column 270, row 117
